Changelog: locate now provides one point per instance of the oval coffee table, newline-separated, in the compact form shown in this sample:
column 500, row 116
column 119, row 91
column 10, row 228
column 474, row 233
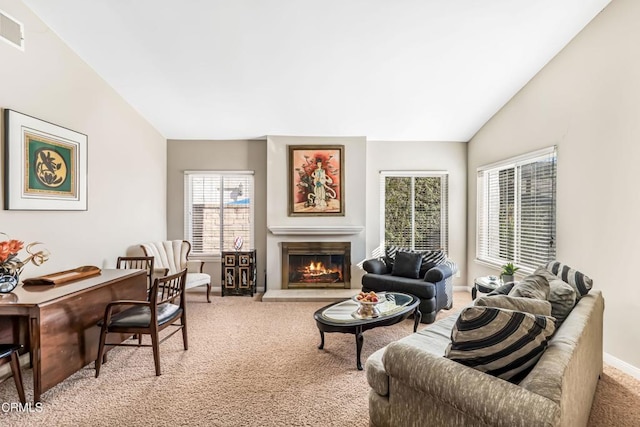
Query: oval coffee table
column 341, row 317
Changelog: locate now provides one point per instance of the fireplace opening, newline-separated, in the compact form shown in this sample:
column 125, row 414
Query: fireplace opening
column 316, row 264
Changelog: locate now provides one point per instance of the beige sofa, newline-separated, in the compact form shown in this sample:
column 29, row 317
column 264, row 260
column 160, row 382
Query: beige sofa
column 413, row 384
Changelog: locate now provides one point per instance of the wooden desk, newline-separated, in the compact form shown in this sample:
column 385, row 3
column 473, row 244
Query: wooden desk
column 58, row 323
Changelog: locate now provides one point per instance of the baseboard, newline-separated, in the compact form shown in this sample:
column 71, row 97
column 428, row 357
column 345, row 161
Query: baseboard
column 461, row 289
column 622, row 365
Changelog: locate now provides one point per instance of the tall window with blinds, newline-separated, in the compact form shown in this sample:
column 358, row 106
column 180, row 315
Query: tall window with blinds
column 414, row 210
column 517, row 210
column 218, row 211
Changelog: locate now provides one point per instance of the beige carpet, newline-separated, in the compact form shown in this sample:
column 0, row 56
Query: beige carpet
column 250, row 364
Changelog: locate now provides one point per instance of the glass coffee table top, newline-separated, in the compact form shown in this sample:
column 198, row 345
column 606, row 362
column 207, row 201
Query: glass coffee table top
column 346, row 311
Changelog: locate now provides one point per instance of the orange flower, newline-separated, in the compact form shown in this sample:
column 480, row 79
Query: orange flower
column 9, row 249
column 4, row 252
column 15, row 246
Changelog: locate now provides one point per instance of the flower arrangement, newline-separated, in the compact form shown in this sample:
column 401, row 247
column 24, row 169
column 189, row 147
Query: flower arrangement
column 11, row 266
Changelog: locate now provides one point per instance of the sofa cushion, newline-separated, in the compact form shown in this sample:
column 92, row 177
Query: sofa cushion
column 562, row 296
column 579, row 281
column 502, row 290
column 503, row 343
column 528, row 305
column 407, row 264
column 532, row 286
column 389, row 283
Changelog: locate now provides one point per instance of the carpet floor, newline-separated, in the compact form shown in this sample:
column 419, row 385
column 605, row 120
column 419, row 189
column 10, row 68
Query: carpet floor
column 250, row 364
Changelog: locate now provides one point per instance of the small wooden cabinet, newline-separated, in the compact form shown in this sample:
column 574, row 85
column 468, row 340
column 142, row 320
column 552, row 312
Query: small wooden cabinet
column 239, row 273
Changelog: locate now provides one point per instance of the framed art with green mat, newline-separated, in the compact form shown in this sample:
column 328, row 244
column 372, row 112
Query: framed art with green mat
column 45, row 165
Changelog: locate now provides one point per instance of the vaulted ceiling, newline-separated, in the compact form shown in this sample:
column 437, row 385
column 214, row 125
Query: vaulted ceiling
column 427, row 70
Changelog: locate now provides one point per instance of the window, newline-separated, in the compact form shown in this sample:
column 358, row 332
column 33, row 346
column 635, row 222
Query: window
column 517, row 210
column 218, row 208
column 414, row 210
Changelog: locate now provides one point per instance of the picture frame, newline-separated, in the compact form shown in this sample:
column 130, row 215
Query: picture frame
column 316, row 180
column 45, row 165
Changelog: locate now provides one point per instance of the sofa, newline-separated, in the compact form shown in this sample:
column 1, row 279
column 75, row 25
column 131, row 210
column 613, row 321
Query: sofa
column 413, row 384
column 434, row 288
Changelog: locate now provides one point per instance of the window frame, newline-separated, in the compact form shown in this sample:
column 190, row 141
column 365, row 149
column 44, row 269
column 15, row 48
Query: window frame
column 482, row 202
column 444, row 202
column 188, row 208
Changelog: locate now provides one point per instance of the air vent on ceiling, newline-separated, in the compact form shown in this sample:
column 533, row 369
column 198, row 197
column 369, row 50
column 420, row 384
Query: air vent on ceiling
column 11, row 31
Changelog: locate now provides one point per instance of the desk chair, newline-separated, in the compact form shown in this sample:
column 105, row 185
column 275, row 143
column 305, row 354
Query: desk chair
column 11, row 350
column 138, row 262
column 148, row 317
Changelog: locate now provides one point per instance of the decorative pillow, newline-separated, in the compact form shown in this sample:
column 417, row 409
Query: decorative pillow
column 503, row 343
column 532, row 286
column 429, row 258
column 579, row 281
column 407, row 264
column 562, row 296
column 528, row 305
column 502, row 290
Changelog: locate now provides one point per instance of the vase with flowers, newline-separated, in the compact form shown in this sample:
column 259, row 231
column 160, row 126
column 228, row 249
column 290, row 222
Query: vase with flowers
column 11, row 265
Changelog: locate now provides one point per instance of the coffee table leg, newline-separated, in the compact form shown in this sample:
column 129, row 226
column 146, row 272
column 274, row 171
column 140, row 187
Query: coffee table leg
column 474, row 292
column 417, row 317
column 359, row 340
column 321, row 346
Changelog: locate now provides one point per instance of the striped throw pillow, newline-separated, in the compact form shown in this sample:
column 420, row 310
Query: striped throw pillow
column 579, row 281
column 500, row 342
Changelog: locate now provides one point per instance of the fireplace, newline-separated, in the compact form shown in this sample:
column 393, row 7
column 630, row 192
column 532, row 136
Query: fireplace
column 316, row 265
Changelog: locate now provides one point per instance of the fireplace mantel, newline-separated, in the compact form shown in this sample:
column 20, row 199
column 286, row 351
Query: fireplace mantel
column 317, row 230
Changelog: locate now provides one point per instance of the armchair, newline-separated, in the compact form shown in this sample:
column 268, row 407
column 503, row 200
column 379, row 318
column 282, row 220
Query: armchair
column 173, row 256
column 434, row 289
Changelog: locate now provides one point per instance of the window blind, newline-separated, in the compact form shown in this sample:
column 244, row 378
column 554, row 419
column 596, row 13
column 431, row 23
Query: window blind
column 218, row 209
column 517, row 210
column 414, row 210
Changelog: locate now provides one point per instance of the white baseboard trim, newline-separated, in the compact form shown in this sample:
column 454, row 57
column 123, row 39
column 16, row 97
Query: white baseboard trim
column 622, row 365
column 461, row 289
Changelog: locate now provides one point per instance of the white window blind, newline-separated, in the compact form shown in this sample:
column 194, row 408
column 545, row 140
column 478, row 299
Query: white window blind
column 218, row 208
column 414, row 211
column 517, row 210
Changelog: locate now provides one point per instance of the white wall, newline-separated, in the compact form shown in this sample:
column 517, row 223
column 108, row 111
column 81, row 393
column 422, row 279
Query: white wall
column 126, row 156
column 421, row 156
column 277, row 199
column 587, row 101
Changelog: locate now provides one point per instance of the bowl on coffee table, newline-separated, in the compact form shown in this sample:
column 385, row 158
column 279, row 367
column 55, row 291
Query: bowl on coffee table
column 367, row 304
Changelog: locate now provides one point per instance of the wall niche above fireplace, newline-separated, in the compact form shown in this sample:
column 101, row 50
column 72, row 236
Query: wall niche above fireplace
column 316, row 265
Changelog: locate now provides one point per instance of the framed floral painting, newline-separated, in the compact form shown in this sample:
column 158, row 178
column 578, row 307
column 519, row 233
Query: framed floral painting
column 316, row 180
column 45, row 165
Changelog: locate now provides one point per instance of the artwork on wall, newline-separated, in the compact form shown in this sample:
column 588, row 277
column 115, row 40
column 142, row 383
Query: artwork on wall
column 316, row 180
column 45, row 165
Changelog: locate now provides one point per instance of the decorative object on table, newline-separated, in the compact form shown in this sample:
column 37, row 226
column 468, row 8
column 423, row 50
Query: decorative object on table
column 367, row 305
column 63, row 277
column 316, row 180
column 508, row 271
column 46, row 165
column 11, row 266
column 238, row 242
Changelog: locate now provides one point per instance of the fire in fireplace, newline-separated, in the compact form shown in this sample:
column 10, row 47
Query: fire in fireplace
column 316, row 264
